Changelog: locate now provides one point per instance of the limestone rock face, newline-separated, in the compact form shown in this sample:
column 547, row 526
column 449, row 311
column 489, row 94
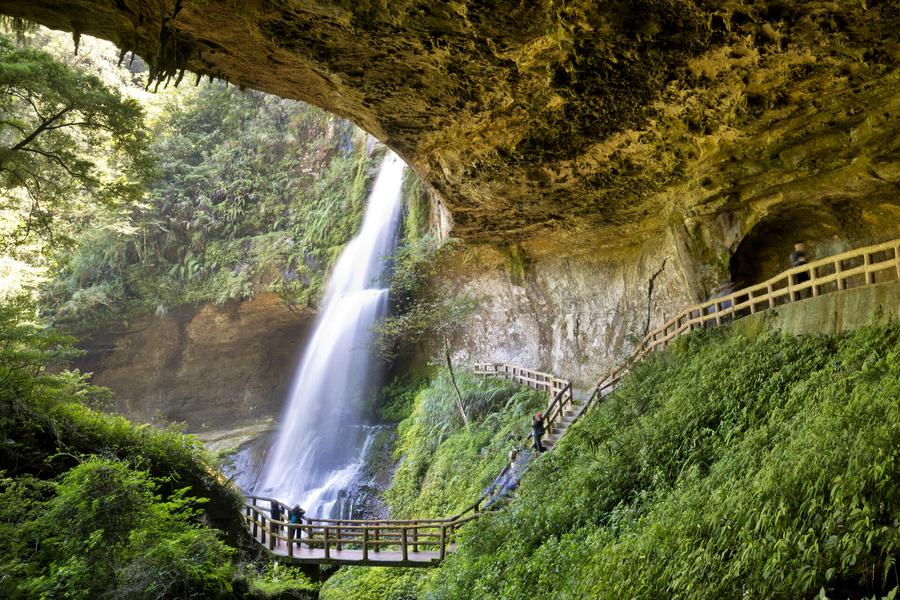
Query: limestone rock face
column 214, row 368
column 574, row 316
column 610, row 117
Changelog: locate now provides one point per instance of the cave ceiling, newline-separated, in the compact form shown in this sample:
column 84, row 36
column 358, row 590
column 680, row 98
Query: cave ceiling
column 608, row 118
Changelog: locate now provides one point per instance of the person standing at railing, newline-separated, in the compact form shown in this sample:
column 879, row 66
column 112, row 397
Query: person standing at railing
column 276, row 510
column 798, row 259
column 537, row 429
column 295, row 517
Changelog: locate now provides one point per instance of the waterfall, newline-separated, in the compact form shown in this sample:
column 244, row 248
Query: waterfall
column 322, row 439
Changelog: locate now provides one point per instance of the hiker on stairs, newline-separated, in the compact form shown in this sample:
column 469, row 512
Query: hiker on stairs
column 537, row 429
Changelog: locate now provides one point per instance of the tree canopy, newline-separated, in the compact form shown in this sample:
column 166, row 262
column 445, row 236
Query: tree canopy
column 67, row 142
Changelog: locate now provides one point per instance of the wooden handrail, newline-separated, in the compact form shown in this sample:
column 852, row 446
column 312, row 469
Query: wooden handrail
column 748, row 300
column 331, row 536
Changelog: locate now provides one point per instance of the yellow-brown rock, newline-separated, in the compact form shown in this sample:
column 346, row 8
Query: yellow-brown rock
column 617, row 117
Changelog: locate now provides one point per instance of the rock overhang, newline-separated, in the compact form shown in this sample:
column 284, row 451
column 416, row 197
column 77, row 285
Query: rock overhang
column 534, row 117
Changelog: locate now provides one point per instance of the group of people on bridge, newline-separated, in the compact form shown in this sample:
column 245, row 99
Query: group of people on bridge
column 294, row 514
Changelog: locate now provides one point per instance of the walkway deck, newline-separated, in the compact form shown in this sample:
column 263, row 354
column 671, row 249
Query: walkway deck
column 316, row 556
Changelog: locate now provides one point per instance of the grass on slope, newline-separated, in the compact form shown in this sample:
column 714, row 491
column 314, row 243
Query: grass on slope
column 732, row 466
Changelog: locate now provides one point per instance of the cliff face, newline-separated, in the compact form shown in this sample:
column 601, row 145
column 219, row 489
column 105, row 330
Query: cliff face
column 529, row 117
column 572, row 316
column 214, row 368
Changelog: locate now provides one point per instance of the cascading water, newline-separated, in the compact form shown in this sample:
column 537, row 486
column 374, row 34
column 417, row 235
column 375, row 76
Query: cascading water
column 322, row 441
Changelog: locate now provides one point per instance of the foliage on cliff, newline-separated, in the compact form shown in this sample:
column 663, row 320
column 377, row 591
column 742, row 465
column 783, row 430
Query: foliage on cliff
column 251, row 192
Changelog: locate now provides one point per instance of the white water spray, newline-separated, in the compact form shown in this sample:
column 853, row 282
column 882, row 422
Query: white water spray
column 322, row 440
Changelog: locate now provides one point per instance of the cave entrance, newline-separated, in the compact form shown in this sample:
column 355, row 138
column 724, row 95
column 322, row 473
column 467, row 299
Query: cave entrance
column 766, row 248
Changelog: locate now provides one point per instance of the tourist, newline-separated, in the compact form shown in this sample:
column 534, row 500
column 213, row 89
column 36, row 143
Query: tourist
column 537, row 428
column 275, row 511
column 723, row 290
column 798, row 259
column 295, row 517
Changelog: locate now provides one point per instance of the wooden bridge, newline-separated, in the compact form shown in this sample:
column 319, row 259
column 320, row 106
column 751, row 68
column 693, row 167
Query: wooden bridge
column 425, row 542
column 385, row 542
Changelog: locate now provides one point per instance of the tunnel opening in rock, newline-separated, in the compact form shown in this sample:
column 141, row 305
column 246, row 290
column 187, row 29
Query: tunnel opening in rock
column 765, row 249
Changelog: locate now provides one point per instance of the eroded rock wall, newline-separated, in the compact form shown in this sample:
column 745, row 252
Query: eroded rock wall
column 574, row 316
column 213, row 367
column 528, row 117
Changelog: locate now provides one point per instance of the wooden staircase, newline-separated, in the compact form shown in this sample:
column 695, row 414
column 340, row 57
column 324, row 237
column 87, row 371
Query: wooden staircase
column 554, row 433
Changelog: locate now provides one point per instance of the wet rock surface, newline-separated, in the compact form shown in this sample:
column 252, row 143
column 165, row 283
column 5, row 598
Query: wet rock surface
column 529, row 117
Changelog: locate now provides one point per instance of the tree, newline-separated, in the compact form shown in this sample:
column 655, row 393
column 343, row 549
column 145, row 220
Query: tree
column 67, row 142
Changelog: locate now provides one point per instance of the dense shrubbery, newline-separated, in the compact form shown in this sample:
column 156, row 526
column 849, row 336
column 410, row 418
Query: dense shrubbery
column 92, row 506
column 445, row 465
column 729, row 467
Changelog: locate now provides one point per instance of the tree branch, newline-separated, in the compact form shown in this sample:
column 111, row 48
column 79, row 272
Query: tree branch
column 40, row 129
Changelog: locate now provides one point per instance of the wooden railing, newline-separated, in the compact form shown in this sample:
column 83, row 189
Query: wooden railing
column 371, row 537
column 856, row 268
column 560, row 390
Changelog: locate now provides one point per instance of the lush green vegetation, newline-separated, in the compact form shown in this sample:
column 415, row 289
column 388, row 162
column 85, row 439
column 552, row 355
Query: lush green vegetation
column 214, row 194
column 92, row 506
column 732, row 466
column 251, row 193
column 68, row 145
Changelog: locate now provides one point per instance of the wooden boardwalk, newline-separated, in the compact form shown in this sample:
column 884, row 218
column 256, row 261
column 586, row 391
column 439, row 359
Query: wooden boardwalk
column 425, row 542
column 302, row 555
column 385, row 543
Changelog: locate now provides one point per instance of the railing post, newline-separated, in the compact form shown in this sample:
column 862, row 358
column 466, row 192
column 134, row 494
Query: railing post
column 377, row 537
column 415, row 540
column 273, row 529
column 897, row 259
column 443, row 549
column 255, row 519
column 262, row 529
column 365, row 549
column 337, row 542
column 813, row 276
column 867, row 262
column 325, row 537
column 290, row 539
column 769, row 291
column 404, row 553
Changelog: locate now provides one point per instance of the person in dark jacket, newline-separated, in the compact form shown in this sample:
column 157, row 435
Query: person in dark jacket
column 537, row 429
column 799, row 258
column 276, row 511
column 295, row 517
